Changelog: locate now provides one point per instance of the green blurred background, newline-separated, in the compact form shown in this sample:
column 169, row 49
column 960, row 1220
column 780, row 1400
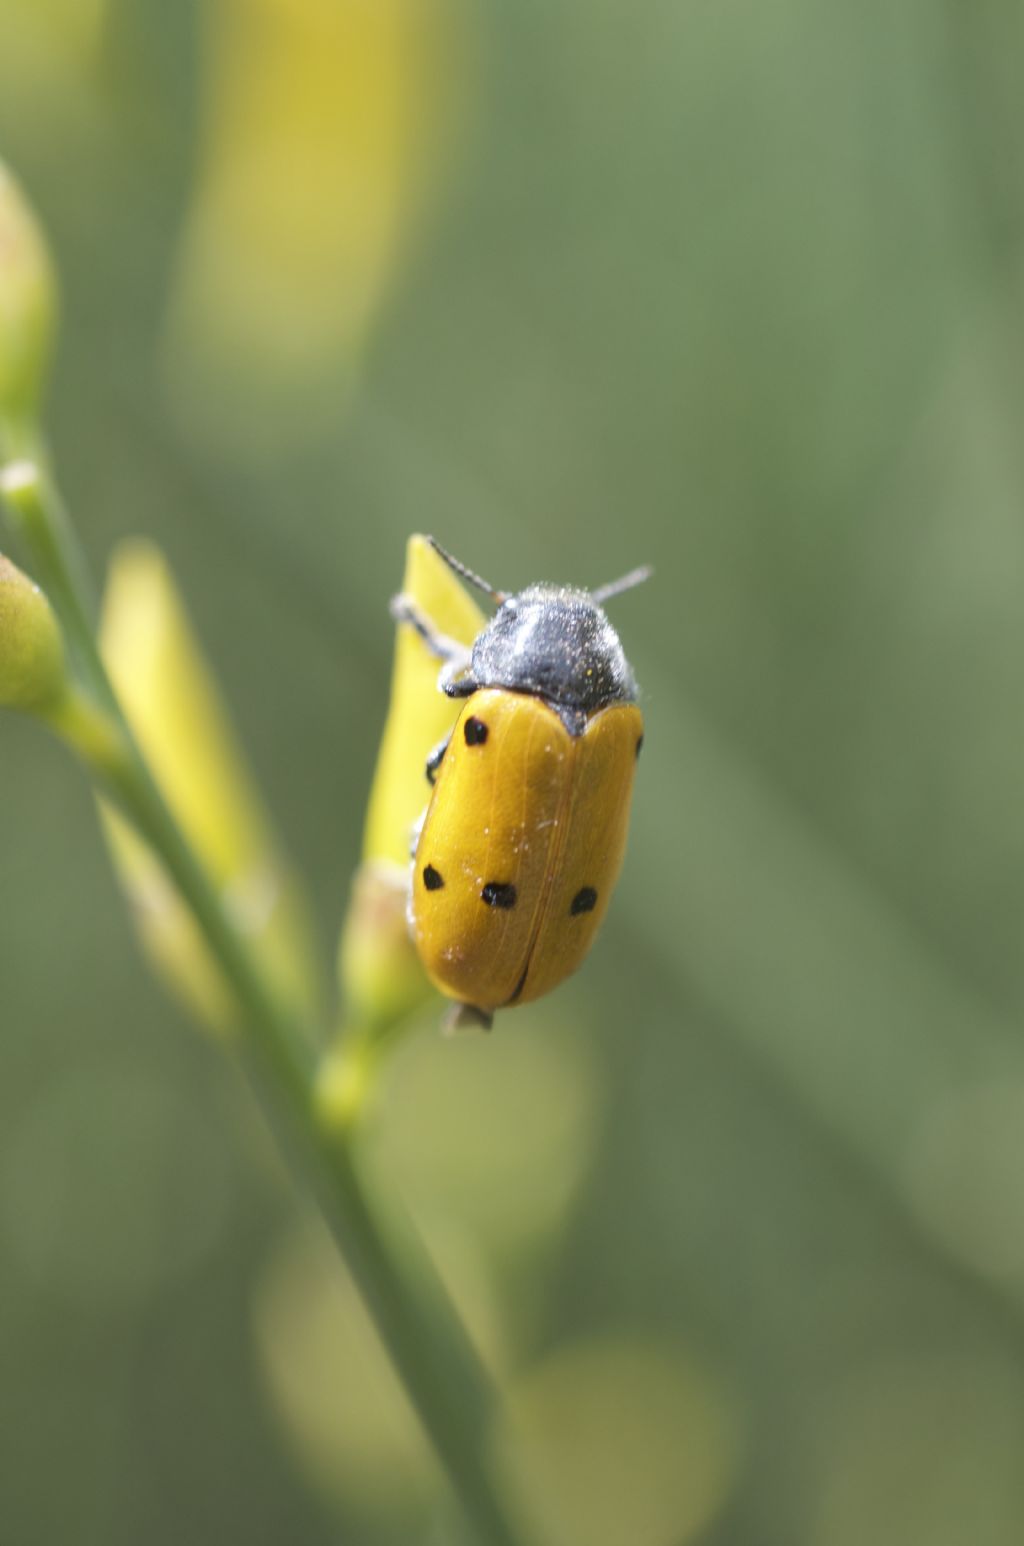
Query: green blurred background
column 739, row 1213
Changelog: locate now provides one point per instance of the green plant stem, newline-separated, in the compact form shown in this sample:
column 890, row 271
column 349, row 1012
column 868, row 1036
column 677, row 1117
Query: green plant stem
column 417, row 1322
column 38, row 515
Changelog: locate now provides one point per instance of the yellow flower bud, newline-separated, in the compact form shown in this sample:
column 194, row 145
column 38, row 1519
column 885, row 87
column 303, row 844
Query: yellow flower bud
column 419, row 716
column 381, row 975
column 31, row 649
column 377, row 961
column 27, row 307
column 175, row 712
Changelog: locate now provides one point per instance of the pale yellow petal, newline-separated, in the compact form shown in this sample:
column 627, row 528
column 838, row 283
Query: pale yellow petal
column 175, row 712
column 380, row 973
column 28, row 305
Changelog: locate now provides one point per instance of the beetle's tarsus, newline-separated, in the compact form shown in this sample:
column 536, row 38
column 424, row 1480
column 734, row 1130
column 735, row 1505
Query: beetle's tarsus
column 466, row 1017
column 455, row 680
column 404, row 610
column 436, row 758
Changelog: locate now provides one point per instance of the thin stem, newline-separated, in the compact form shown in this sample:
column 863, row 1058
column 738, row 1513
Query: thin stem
column 426, row 1339
column 418, row 1324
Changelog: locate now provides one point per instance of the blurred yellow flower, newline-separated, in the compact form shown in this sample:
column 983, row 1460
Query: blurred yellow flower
column 324, row 121
column 49, row 47
column 453, row 1140
column 27, row 307
column 341, row 1407
column 622, row 1441
column 176, row 714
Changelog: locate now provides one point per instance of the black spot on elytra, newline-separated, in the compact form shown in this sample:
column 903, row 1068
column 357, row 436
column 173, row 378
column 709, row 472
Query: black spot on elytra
column 499, row 893
column 639, row 744
column 475, row 731
column 432, row 879
column 584, row 901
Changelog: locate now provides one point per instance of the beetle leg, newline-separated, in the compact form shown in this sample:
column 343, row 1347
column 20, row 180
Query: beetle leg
column 436, row 758
column 455, row 679
column 405, row 610
column 466, row 1017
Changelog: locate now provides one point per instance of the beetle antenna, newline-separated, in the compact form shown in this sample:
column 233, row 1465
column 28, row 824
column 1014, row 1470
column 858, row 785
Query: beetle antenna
column 616, row 587
column 497, row 596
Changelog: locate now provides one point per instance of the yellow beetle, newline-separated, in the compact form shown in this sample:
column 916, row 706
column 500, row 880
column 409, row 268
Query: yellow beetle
column 523, row 839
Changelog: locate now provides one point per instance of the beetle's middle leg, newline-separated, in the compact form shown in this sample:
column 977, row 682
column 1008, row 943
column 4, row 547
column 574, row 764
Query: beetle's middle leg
column 436, row 758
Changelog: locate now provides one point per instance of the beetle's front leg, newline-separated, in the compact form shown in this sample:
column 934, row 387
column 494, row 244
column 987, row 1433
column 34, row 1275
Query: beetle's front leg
column 404, row 610
column 456, row 680
column 454, row 676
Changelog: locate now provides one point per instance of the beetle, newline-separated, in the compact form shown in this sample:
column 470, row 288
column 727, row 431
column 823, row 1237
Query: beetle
column 519, row 849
